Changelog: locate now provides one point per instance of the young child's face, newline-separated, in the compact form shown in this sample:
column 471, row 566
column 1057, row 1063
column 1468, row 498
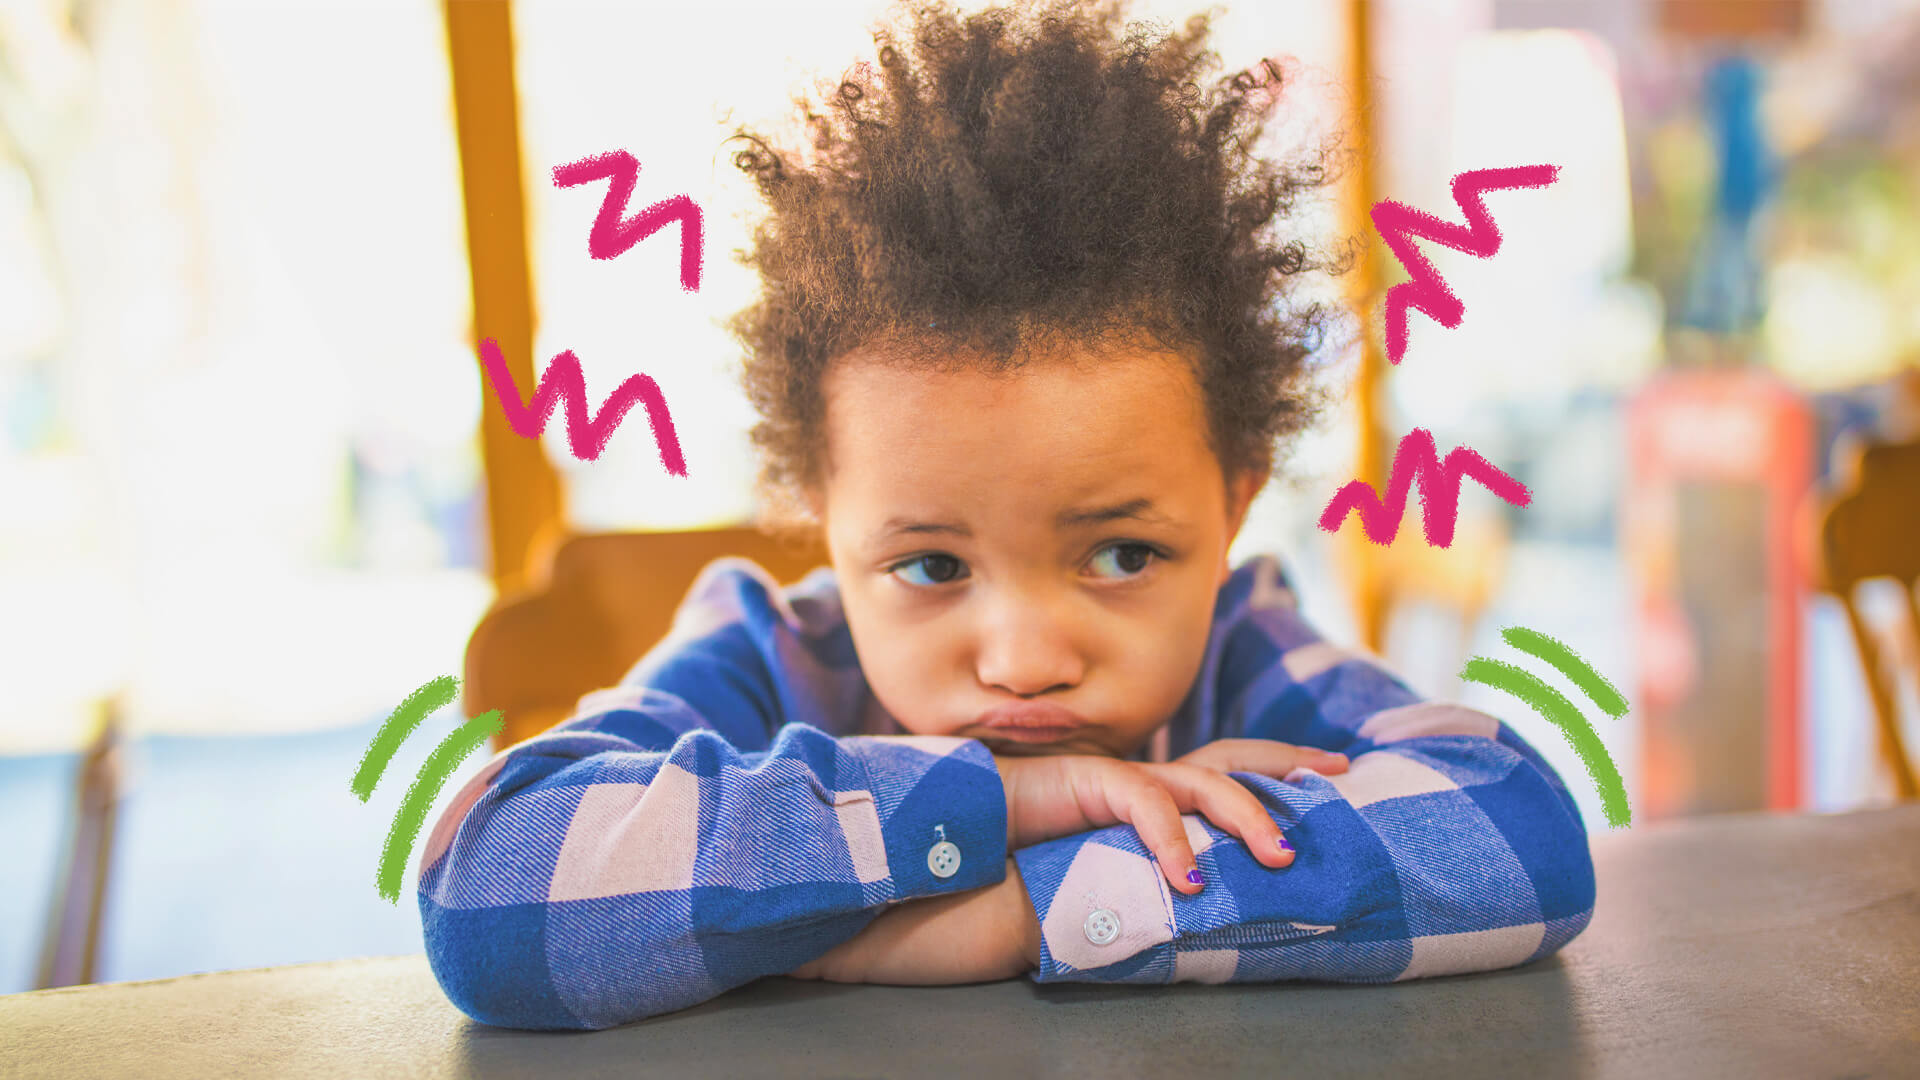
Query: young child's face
column 1054, row 535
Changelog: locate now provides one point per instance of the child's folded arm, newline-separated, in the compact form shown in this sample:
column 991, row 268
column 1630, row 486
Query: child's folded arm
column 695, row 827
column 583, row 880
column 1449, row 845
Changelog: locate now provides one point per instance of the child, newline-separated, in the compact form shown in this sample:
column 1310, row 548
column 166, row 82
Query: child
column 1018, row 356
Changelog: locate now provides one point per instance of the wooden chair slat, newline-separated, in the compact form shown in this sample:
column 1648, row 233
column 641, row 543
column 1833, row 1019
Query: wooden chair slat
column 593, row 612
column 1871, row 529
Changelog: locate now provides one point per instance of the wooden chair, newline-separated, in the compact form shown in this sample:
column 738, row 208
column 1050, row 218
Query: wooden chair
column 593, row 607
column 70, row 949
column 1871, row 529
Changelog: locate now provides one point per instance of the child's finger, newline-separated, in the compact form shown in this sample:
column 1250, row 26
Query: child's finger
column 1142, row 802
column 1279, row 759
column 1267, row 757
column 1228, row 804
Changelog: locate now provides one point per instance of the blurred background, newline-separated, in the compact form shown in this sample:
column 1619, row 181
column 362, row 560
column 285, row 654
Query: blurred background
column 246, row 449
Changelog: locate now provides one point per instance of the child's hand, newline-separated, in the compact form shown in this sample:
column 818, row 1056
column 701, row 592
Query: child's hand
column 1263, row 756
column 1059, row 795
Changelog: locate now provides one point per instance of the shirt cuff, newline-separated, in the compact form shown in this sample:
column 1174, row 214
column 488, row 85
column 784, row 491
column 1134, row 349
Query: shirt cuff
column 1106, row 913
column 933, row 816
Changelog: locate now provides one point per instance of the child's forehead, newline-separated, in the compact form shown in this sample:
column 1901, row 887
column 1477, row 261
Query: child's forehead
column 883, row 374
column 1045, row 428
column 1118, row 400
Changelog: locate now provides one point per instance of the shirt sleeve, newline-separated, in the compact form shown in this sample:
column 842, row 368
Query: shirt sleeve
column 651, row 853
column 1449, row 845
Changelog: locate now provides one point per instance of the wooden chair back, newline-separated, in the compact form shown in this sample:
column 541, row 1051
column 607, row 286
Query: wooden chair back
column 1871, row 529
column 70, row 948
column 594, row 609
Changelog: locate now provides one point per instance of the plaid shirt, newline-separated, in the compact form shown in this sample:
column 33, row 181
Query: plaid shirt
column 741, row 803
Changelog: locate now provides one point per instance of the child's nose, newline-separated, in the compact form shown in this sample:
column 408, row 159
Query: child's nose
column 1025, row 651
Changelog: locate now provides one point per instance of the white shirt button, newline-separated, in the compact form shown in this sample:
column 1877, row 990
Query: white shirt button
column 1102, row 927
column 943, row 859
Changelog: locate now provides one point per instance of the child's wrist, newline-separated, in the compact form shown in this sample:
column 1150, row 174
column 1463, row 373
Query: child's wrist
column 1024, row 915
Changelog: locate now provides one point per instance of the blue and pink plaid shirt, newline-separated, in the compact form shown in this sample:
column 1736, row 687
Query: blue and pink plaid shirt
column 741, row 803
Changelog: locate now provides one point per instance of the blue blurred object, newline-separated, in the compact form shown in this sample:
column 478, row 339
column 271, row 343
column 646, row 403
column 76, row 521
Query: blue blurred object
column 1840, row 412
column 1724, row 291
column 1733, row 109
column 28, row 410
column 231, row 852
column 36, row 802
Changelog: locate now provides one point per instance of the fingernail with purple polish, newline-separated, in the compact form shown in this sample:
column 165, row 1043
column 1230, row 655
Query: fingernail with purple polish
column 1284, row 846
column 1193, row 877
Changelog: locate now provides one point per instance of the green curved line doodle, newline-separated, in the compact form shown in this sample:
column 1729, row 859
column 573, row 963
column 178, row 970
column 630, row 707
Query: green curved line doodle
column 1554, row 705
column 419, row 704
column 1579, row 671
column 464, row 740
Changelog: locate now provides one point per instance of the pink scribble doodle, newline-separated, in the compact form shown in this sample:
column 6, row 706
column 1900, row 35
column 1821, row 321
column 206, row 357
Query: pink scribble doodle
column 611, row 236
column 1399, row 223
column 1439, row 491
column 586, row 438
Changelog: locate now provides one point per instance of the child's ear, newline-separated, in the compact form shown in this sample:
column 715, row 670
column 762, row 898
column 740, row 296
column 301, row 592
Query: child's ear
column 1241, row 491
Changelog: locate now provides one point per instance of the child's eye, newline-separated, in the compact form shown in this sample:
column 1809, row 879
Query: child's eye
column 940, row 568
column 1130, row 558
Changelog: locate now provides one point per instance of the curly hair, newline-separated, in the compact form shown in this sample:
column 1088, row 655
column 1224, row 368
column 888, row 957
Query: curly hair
column 1034, row 181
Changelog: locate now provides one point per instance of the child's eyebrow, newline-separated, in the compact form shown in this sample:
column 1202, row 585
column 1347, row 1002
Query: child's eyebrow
column 1140, row 509
column 898, row 525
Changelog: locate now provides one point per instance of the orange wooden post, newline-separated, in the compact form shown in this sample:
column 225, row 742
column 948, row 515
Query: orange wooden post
column 1366, row 582
column 524, row 497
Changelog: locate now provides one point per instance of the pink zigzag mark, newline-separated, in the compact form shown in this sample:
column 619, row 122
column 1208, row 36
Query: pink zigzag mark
column 563, row 380
column 1439, row 491
column 1399, row 223
column 611, row 236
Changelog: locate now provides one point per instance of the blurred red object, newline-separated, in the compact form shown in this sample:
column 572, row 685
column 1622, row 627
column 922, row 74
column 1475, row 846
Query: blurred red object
column 1721, row 462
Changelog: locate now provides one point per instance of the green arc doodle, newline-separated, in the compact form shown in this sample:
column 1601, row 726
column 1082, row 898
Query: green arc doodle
column 453, row 749
column 1554, row 705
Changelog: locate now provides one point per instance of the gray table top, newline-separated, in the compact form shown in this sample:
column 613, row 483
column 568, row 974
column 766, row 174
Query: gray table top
column 1743, row 945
